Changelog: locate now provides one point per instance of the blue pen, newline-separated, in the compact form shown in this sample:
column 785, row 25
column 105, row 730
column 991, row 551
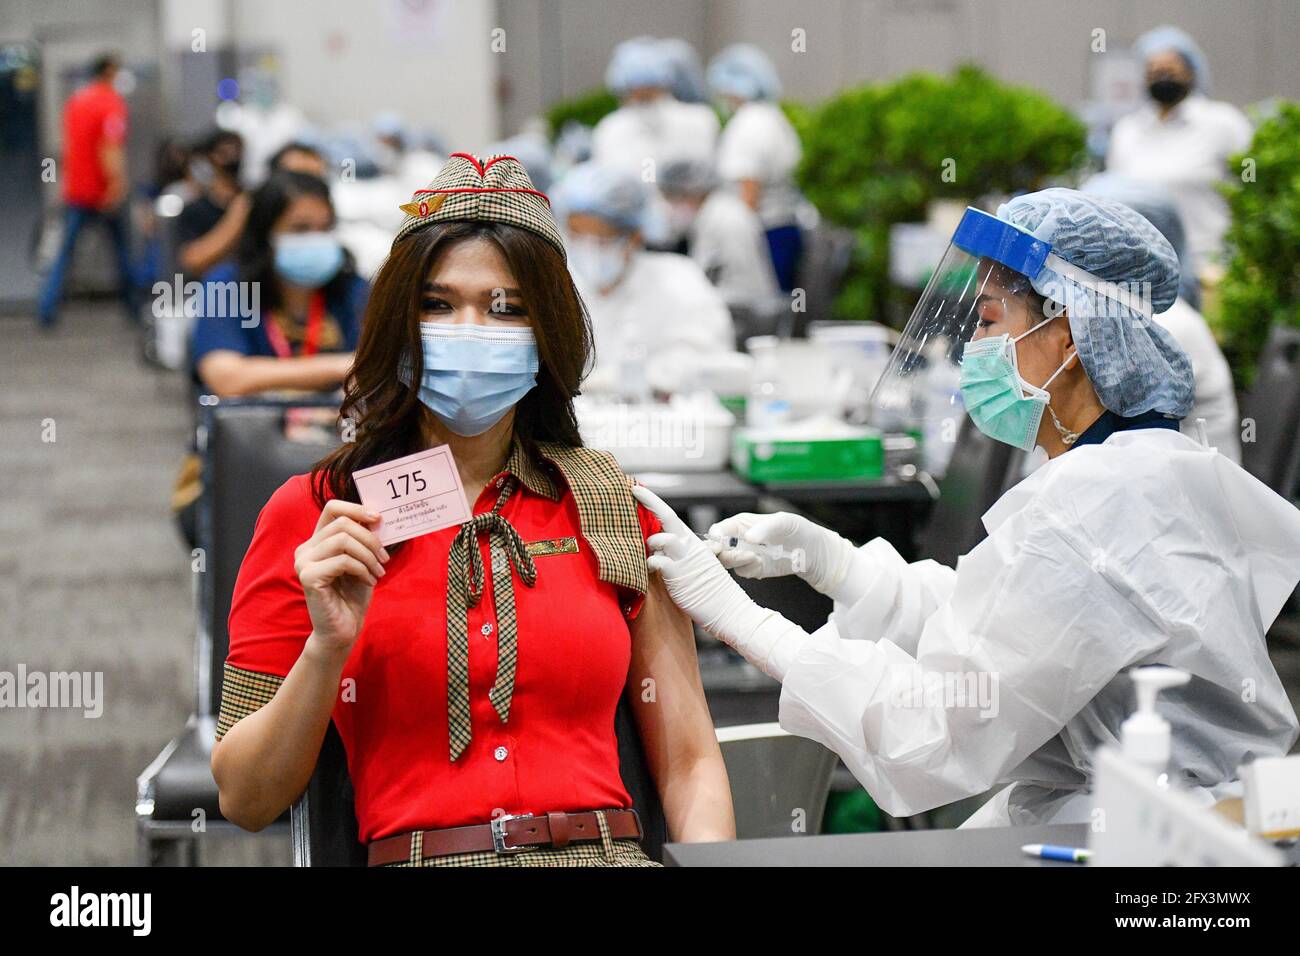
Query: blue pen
column 1047, row 851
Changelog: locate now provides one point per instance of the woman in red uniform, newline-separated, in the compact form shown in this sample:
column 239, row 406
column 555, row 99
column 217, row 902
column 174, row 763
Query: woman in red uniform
column 473, row 673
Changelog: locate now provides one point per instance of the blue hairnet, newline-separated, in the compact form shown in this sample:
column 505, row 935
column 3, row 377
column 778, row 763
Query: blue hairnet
column 572, row 146
column 744, row 71
column 641, row 62
column 1171, row 38
column 689, row 177
column 1155, row 203
column 1132, row 362
column 388, row 123
column 313, row 137
column 688, row 75
column 610, row 194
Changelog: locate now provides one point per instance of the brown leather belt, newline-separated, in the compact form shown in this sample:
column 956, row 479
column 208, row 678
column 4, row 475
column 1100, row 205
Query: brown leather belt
column 507, row 834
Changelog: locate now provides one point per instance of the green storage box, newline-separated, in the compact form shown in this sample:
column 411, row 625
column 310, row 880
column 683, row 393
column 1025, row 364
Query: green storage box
column 777, row 454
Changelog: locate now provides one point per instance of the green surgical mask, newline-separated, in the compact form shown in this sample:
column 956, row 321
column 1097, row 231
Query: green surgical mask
column 1001, row 403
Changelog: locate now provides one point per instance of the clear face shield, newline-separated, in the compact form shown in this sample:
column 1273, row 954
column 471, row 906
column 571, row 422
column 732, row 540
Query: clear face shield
column 978, row 291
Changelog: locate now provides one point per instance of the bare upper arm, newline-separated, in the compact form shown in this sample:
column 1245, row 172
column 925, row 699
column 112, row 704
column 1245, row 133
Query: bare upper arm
column 664, row 684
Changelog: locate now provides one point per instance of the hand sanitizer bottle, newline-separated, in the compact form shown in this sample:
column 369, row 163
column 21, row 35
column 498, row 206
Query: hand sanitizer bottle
column 1145, row 738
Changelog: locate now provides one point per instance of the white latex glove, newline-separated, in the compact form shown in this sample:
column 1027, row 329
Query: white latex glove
column 701, row 587
column 791, row 544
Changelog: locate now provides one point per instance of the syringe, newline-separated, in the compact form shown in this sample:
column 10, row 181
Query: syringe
column 768, row 552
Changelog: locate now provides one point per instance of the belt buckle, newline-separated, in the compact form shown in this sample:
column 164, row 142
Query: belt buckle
column 498, row 826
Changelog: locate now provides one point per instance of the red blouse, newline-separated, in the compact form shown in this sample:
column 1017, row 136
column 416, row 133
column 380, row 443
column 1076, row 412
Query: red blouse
column 557, row 753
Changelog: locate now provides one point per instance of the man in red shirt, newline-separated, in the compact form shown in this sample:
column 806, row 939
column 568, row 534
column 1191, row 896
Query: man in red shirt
column 94, row 182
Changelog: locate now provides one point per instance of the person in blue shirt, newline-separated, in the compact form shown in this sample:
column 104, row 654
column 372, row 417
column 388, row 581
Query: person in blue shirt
column 286, row 313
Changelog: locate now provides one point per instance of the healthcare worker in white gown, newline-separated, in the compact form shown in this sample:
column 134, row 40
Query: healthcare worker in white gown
column 651, row 126
column 654, row 315
column 1133, row 545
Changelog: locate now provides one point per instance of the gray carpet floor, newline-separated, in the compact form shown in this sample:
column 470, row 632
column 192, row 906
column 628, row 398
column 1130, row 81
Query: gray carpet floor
column 93, row 577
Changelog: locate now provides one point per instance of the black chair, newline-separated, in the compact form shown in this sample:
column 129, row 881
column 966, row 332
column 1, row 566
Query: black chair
column 827, row 255
column 1273, row 404
column 759, row 317
column 245, row 458
column 979, row 471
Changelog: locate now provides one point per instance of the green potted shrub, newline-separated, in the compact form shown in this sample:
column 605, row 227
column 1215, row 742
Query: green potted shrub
column 588, row 109
column 1262, row 283
column 877, row 154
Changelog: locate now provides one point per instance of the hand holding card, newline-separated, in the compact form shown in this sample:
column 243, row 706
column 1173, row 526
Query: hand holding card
column 338, row 568
column 415, row 495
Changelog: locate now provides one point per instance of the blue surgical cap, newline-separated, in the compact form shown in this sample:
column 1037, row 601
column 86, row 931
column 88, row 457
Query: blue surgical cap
column 1155, row 203
column 610, row 194
column 572, row 146
column 311, row 136
column 1133, row 363
column 1166, row 38
column 388, row 123
column 687, row 177
column 641, row 62
column 744, row 71
column 688, row 75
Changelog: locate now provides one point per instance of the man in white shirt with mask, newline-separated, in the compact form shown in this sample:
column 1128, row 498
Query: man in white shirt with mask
column 1182, row 139
column 652, row 313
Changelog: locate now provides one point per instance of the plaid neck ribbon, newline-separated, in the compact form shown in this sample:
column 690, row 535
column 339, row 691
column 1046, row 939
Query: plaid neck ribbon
column 465, row 580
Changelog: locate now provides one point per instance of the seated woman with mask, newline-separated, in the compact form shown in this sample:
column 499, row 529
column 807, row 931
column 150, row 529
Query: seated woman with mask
column 284, row 316
column 308, row 302
column 481, row 665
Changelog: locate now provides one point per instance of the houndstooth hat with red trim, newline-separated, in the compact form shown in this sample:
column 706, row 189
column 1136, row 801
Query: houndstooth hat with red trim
column 495, row 190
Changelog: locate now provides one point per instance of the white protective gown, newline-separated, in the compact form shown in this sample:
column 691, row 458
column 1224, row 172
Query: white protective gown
column 759, row 143
column 727, row 241
column 661, row 131
column 663, row 315
column 641, row 139
column 1214, row 398
column 1144, row 549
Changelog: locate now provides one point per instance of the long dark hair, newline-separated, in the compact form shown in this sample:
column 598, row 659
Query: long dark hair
column 387, row 415
column 256, row 257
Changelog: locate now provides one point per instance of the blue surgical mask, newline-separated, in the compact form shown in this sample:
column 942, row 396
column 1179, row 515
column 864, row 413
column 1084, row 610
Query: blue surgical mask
column 474, row 374
column 601, row 263
column 308, row 259
column 1001, row 403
